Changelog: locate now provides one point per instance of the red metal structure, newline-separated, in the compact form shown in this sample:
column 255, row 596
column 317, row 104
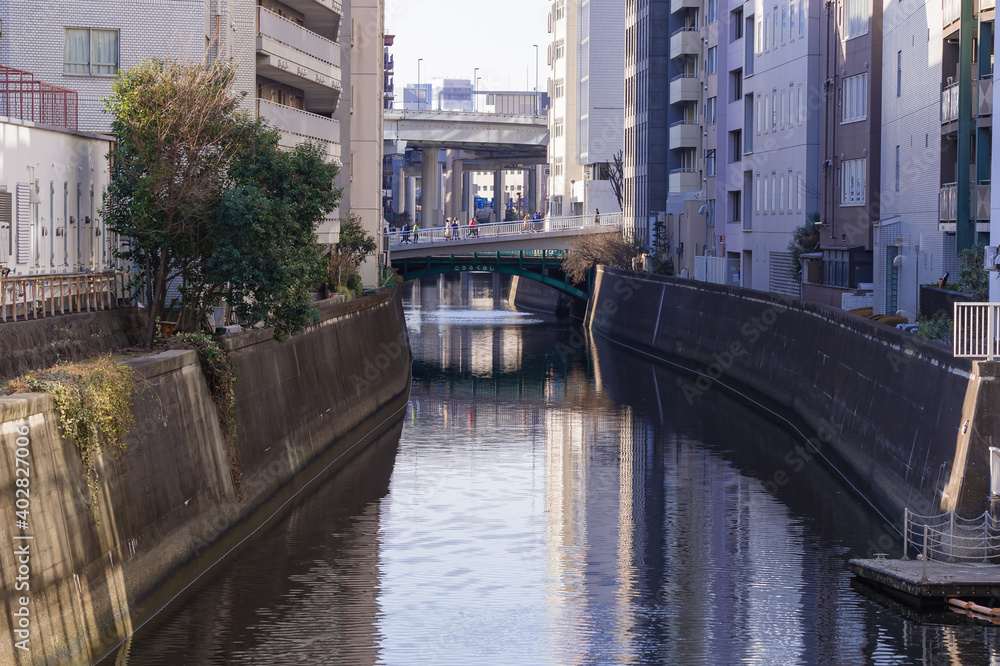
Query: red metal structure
column 24, row 98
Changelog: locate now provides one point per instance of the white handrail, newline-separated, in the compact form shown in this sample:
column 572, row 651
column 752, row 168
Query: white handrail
column 976, row 328
column 493, row 230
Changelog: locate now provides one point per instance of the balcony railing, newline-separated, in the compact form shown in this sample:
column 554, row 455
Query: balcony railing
column 24, row 98
column 949, row 103
column 293, row 35
column 985, row 105
column 976, row 329
column 951, row 11
column 948, row 201
column 302, row 125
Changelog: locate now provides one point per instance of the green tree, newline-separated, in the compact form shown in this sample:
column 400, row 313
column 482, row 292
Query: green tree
column 805, row 239
column 588, row 250
column 972, row 275
column 355, row 242
column 207, row 202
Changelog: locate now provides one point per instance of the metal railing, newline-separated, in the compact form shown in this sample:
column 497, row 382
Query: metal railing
column 293, row 35
column 976, row 330
column 500, row 229
column 297, row 121
column 40, row 296
column 949, row 103
column 949, row 537
column 22, row 97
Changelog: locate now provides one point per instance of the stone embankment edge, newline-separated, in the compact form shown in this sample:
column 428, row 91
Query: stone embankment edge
column 897, row 414
column 168, row 507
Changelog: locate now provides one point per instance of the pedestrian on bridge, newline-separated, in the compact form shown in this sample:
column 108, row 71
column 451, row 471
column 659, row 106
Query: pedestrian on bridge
column 597, row 217
column 473, row 232
column 527, row 224
column 447, row 228
column 416, row 232
column 454, row 229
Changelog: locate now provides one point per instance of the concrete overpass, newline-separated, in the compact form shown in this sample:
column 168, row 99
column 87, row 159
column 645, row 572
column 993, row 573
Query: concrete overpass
column 487, row 141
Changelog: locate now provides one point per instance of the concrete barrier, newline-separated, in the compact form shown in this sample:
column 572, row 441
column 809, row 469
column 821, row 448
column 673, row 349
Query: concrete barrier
column 895, row 412
column 168, row 506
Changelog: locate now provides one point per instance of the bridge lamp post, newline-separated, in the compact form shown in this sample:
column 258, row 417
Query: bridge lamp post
column 420, row 91
column 475, row 88
column 538, row 110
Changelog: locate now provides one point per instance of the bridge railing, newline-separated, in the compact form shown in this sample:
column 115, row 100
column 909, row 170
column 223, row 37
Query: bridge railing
column 492, row 230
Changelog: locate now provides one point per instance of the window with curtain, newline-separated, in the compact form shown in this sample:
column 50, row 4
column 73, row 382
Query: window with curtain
column 852, row 183
column 858, row 13
column 855, row 99
column 90, row 51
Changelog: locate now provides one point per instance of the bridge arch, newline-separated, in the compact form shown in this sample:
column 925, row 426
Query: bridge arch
column 533, row 268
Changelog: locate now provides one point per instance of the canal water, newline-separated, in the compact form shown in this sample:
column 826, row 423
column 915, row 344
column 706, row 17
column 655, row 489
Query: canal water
column 555, row 500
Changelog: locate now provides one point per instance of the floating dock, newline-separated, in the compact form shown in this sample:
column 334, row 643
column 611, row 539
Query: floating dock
column 932, row 582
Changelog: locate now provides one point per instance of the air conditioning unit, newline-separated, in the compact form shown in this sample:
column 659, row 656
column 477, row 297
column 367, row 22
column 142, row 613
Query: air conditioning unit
column 990, row 258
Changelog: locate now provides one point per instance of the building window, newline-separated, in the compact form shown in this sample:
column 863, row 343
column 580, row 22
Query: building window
column 759, row 37
column 735, row 145
column 736, row 84
column 560, row 9
column 793, row 105
column 710, row 111
column 855, row 99
column 713, row 11
column 557, row 166
column 734, row 206
column 792, row 186
column 710, row 162
column 760, row 114
column 559, row 49
column 758, row 196
column 852, row 176
column 784, row 23
column 802, row 104
column 774, row 31
column 558, row 88
column 710, row 218
column 802, row 17
column 897, row 168
column 899, row 73
column 791, row 20
column 558, row 127
column 90, row 51
column 710, row 61
column 858, row 12
column 835, row 263
column 774, row 111
column 774, row 193
column 736, row 23
column 783, row 120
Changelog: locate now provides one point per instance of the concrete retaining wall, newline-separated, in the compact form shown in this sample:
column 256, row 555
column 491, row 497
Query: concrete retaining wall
column 904, row 420
column 40, row 343
column 168, row 506
column 533, row 295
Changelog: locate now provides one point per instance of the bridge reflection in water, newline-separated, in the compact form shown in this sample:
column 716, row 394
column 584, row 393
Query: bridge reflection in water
column 554, row 501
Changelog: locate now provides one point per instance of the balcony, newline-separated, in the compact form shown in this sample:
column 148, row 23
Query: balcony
column 289, row 53
column 685, row 88
column 685, row 134
column 951, row 11
column 321, row 16
column 685, row 42
column 684, row 180
column 297, row 126
column 678, row 5
column 949, row 103
column 948, row 202
column 985, row 5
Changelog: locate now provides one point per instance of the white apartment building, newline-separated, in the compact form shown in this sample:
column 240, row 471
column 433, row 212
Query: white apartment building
column 780, row 141
column 305, row 65
column 565, row 198
column 601, row 101
column 909, row 227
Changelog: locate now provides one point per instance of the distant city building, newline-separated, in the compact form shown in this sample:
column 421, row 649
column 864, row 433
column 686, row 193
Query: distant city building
column 453, row 95
column 417, row 96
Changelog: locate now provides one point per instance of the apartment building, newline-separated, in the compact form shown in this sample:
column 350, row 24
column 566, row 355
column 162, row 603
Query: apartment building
column 851, row 167
column 651, row 106
column 288, row 54
column 565, row 196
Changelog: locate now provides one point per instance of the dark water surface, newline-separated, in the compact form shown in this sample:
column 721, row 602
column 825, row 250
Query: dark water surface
column 553, row 501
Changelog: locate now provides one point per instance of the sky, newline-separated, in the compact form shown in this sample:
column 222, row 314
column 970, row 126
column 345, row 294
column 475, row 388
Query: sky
column 455, row 36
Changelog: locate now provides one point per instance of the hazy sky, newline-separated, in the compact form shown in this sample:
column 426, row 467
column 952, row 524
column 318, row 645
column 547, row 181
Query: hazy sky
column 455, row 36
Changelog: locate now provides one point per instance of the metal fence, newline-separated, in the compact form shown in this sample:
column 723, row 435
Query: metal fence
column 949, row 537
column 22, row 97
column 40, row 296
column 976, row 330
column 500, row 229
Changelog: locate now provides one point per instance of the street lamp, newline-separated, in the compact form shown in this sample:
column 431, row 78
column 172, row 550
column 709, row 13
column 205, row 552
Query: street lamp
column 420, row 91
column 538, row 110
column 475, row 88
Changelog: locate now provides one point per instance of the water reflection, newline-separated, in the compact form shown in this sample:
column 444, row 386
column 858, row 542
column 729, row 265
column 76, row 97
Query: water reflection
column 554, row 501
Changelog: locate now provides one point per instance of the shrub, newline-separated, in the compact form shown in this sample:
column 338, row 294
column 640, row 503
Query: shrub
column 94, row 400
column 939, row 328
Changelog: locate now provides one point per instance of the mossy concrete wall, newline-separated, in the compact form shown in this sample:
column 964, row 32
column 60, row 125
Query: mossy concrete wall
column 168, row 505
column 907, row 422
